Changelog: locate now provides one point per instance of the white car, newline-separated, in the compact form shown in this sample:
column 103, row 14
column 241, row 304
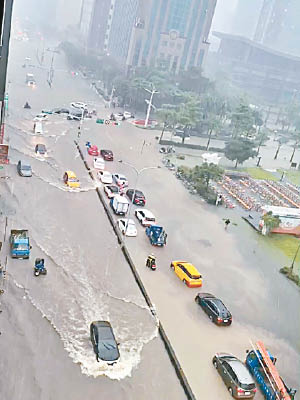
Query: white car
column 127, row 114
column 41, row 117
column 99, row 163
column 105, row 177
column 120, row 180
column 145, row 217
column 127, row 226
column 78, row 104
column 111, row 191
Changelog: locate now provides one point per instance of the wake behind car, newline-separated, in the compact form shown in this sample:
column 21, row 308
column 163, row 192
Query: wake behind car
column 24, row 169
column 187, row 272
column 136, row 196
column 235, row 375
column 214, row 308
column 145, row 217
column 111, row 191
column 107, row 155
column 104, row 342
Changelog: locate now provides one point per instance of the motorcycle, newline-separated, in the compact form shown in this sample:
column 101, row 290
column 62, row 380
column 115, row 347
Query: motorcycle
column 39, row 267
column 151, row 264
column 167, row 150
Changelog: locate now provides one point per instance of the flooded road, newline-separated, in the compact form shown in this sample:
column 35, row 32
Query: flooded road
column 89, row 279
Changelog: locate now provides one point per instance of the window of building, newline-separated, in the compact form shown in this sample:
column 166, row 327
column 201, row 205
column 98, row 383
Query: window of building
column 172, row 44
column 165, row 43
column 179, row 46
column 161, row 55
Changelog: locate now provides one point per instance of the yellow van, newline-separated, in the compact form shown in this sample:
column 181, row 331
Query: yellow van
column 71, row 180
column 187, row 272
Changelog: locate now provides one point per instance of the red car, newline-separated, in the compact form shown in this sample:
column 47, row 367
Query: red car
column 107, row 155
column 93, row 151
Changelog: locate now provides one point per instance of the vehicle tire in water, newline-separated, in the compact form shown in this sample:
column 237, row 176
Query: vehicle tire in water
column 184, row 281
column 172, row 266
column 230, row 391
column 215, row 364
column 211, row 318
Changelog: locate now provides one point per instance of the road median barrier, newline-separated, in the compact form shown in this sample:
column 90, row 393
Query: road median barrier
column 171, row 353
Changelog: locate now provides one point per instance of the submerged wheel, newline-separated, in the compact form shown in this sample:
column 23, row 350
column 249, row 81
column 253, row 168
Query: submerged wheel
column 230, row 391
column 172, row 266
column 185, row 282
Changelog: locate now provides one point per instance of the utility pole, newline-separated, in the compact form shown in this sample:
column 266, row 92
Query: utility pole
column 51, row 69
column 149, row 102
column 4, row 43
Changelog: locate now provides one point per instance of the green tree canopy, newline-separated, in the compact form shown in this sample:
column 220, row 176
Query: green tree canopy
column 207, row 172
column 239, row 150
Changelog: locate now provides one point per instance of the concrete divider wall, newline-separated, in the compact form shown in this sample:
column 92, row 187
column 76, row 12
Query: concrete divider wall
column 171, row 353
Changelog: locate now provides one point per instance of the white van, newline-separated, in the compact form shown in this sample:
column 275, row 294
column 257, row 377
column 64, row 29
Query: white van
column 38, row 128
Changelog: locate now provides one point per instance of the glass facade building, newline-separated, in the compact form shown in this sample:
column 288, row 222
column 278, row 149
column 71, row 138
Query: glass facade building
column 173, row 34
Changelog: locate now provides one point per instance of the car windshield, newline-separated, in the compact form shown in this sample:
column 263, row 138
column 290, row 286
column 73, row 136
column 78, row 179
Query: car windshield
column 73, row 180
column 26, row 167
column 114, row 189
column 247, row 386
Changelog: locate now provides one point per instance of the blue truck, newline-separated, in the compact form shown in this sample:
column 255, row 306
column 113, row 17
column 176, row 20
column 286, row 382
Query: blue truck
column 19, row 243
column 156, row 235
column 261, row 364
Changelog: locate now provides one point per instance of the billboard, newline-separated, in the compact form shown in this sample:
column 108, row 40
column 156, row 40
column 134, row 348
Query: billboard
column 4, row 153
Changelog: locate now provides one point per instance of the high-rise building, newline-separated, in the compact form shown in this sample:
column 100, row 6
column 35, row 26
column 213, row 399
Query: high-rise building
column 171, row 33
column 246, row 17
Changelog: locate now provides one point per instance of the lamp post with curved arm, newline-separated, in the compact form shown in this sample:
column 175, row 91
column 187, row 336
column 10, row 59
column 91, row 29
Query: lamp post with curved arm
column 138, row 173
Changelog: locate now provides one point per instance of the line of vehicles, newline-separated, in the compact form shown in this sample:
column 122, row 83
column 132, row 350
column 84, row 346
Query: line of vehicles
column 238, row 376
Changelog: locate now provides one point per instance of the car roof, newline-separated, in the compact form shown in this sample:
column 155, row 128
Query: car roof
column 146, row 212
column 206, row 295
column 190, row 267
column 101, row 323
column 71, row 174
column 241, row 371
column 41, row 145
column 107, row 151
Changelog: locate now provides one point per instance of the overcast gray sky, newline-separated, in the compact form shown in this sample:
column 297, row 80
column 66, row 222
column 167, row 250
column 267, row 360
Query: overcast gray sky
column 223, row 15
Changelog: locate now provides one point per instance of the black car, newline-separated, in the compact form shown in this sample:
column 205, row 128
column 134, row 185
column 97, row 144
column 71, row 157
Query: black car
column 139, row 197
column 235, row 375
column 24, row 169
column 104, row 342
column 107, row 155
column 214, row 308
column 60, row 111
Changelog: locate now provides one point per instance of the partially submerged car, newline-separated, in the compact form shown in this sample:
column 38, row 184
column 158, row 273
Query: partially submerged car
column 104, row 342
column 71, row 180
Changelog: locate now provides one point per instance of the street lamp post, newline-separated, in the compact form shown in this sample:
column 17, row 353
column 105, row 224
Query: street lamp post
column 138, row 173
column 294, row 259
column 150, row 105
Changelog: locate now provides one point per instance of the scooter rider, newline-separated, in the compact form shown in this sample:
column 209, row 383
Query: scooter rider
column 151, row 261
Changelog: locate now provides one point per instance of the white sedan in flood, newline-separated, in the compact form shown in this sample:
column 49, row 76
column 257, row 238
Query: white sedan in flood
column 127, row 226
column 105, row 177
column 99, row 163
column 145, row 217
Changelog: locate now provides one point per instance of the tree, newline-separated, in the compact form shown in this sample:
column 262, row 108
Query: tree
column 239, row 150
column 242, row 121
column 168, row 115
column 270, row 222
column 207, row 172
column 213, row 125
column 281, row 141
column 188, row 116
column 296, row 137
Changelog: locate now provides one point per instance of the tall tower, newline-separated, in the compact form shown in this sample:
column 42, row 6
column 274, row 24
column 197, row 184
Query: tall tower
column 276, row 23
column 264, row 19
